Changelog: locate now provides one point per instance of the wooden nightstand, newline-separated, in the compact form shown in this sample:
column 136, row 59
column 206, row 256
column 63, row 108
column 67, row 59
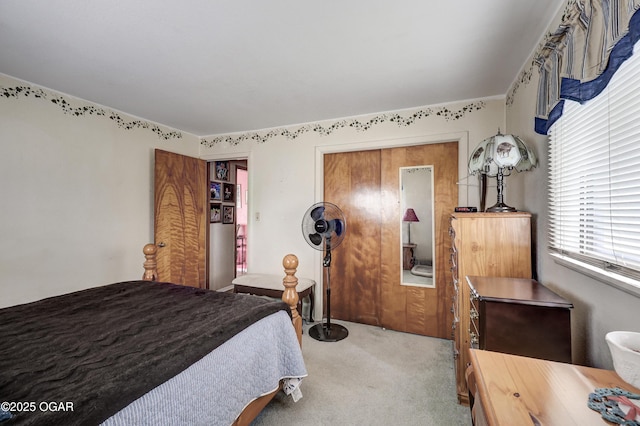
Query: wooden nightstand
column 519, row 316
column 407, row 256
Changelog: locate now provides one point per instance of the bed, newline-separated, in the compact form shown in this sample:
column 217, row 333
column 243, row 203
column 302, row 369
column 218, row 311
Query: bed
column 146, row 353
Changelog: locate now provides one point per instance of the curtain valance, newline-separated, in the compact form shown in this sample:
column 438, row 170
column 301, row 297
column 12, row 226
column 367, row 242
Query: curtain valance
column 577, row 61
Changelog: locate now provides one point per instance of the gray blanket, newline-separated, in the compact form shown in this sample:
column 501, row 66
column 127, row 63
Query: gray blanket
column 101, row 348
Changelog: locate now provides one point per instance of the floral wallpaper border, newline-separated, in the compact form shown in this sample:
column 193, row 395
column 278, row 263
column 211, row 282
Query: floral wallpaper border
column 358, row 125
column 66, row 106
column 523, row 79
column 525, row 75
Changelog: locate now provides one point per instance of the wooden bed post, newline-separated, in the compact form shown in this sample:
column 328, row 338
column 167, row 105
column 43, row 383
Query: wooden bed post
column 290, row 295
column 290, row 281
column 150, row 272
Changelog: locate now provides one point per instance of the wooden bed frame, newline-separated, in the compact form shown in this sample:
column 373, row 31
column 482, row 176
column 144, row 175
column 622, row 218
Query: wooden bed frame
column 289, row 296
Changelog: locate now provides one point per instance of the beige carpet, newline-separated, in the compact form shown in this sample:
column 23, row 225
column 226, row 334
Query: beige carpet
column 373, row 377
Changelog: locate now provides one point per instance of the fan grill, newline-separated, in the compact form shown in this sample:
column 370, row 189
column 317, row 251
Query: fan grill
column 323, row 222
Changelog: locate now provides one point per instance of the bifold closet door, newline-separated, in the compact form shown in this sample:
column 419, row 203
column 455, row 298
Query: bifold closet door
column 365, row 272
column 420, row 310
column 352, row 182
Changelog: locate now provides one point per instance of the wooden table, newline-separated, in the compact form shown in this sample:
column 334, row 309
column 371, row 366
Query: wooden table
column 516, row 390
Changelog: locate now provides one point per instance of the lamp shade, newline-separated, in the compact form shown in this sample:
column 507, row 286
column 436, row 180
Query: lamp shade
column 410, row 216
column 496, row 157
column 501, row 152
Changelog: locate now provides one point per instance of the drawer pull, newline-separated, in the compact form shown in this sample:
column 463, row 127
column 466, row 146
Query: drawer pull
column 474, row 340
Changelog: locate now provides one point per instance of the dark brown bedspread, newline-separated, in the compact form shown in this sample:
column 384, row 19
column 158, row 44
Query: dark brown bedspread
column 104, row 347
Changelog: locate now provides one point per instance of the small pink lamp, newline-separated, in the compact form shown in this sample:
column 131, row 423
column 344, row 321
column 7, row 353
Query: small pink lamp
column 410, row 216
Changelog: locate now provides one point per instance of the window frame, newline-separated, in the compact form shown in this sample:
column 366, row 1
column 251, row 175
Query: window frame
column 586, row 213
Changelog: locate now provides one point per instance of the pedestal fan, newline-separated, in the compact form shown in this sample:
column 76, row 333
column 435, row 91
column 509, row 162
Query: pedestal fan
column 324, row 227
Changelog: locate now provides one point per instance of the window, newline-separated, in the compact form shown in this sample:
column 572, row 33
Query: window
column 594, row 179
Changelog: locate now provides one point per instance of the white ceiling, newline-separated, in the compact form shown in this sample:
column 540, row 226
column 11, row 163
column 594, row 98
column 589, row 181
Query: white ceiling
column 218, row 66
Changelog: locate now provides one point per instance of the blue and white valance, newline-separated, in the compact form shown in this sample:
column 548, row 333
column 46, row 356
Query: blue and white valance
column 577, row 61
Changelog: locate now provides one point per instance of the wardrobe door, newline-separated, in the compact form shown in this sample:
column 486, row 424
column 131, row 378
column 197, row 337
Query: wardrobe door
column 352, row 182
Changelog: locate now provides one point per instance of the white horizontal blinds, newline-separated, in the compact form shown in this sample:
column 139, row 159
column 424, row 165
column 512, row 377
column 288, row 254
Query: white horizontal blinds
column 594, row 179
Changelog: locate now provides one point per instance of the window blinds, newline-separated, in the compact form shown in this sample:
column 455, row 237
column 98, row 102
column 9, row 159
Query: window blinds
column 594, row 177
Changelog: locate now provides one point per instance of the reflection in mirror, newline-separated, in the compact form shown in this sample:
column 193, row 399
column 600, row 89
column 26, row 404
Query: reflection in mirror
column 417, row 238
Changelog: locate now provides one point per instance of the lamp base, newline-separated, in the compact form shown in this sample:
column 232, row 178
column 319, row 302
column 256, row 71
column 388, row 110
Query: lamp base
column 500, row 208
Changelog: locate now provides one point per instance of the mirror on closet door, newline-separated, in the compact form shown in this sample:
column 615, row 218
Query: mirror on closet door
column 416, row 226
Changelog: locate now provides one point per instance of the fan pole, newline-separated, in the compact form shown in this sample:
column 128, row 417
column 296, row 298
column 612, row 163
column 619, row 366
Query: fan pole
column 327, row 266
column 328, row 332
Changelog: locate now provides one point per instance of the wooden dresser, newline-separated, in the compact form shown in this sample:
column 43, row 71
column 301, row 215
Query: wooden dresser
column 519, row 316
column 515, row 390
column 483, row 244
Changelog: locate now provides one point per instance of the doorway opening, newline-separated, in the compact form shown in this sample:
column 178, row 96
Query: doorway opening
column 228, row 236
column 242, row 181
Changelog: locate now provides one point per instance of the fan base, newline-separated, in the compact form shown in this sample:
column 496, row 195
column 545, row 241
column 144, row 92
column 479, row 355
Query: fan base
column 328, row 332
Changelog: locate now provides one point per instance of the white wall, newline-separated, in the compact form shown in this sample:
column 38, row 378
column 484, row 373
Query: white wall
column 285, row 175
column 77, row 196
column 598, row 307
column 78, row 190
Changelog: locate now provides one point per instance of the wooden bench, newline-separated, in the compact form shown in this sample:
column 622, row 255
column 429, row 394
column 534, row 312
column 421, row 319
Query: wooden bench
column 271, row 286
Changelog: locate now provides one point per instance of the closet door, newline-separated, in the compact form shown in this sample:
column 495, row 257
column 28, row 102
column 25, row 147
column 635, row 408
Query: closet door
column 365, row 273
column 352, row 182
column 419, row 310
